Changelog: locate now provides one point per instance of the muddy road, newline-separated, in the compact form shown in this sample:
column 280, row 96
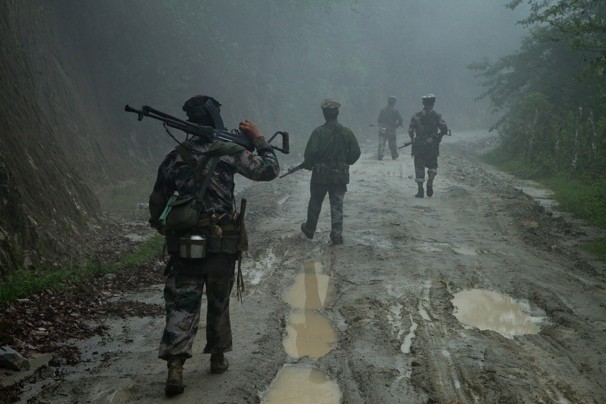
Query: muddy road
column 479, row 294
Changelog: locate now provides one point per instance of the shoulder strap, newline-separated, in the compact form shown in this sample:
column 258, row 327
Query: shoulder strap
column 197, row 170
column 211, row 170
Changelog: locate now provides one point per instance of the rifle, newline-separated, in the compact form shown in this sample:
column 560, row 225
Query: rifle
column 292, row 170
column 448, row 133
column 406, row 144
column 234, row 136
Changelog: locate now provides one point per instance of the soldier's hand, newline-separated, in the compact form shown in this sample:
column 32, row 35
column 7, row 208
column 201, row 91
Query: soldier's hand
column 250, row 129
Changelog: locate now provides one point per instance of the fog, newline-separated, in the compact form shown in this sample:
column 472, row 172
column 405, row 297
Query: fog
column 273, row 61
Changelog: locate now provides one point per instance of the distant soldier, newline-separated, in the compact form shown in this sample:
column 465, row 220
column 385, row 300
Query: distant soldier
column 201, row 172
column 330, row 150
column 389, row 119
column 426, row 130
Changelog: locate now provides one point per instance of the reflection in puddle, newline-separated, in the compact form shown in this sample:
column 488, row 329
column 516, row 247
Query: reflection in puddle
column 310, row 290
column 309, row 334
column 302, row 385
column 493, row 311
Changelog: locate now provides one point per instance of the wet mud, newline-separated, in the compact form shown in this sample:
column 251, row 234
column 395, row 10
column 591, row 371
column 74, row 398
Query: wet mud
column 390, row 316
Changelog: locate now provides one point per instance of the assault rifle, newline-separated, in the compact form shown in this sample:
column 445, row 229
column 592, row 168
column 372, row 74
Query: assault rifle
column 234, row 136
column 411, row 142
column 292, row 170
column 406, row 144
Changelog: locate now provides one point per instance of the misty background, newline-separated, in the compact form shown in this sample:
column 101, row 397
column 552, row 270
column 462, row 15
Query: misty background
column 272, row 61
column 68, row 151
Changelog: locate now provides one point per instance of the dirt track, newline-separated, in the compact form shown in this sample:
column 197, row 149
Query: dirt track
column 386, row 297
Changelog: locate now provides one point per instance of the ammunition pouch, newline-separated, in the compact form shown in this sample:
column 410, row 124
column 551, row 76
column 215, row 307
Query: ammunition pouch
column 183, row 214
column 225, row 237
column 330, row 173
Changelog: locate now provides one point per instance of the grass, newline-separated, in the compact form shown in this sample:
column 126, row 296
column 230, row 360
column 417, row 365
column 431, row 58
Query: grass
column 124, row 198
column 583, row 198
column 21, row 283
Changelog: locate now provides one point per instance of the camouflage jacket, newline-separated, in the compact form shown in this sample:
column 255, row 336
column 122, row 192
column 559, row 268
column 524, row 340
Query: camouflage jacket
column 330, row 150
column 427, row 128
column 390, row 118
column 175, row 174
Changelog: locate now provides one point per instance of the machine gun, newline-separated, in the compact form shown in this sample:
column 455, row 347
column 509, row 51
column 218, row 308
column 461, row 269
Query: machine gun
column 234, row 136
column 292, row 170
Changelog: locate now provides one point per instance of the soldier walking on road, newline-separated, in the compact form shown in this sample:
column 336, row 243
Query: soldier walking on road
column 330, row 150
column 426, row 130
column 201, row 170
column 389, row 119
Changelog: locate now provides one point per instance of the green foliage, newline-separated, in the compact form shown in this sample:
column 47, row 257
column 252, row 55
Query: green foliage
column 597, row 247
column 579, row 24
column 551, row 95
column 20, row 283
column 585, row 198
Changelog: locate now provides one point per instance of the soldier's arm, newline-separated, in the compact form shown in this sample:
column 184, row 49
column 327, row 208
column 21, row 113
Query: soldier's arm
column 163, row 188
column 442, row 126
column 399, row 119
column 354, row 149
column 311, row 150
column 412, row 127
column 262, row 166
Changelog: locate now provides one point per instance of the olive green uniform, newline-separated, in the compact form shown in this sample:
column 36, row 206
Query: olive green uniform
column 331, row 149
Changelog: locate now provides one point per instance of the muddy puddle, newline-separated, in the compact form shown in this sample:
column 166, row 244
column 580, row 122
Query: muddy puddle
column 303, row 385
column 308, row 334
column 488, row 310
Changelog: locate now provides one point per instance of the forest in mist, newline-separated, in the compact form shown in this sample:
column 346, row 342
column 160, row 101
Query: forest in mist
column 273, row 61
column 533, row 70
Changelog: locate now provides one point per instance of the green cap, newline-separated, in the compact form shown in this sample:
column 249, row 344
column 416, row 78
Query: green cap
column 329, row 103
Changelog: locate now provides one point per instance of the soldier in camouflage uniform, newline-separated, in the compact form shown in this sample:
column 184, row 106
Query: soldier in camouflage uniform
column 186, row 278
column 426, row 130
column 330, row 150
column 389, row 119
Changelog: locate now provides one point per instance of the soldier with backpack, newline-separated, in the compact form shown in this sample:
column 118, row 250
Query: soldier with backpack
column 426, row 130
column 193, row 205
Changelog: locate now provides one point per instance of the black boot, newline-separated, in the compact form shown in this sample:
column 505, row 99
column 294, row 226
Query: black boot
column 429, row 188
column 218, row 363
column 420, row 192
column 308, row 234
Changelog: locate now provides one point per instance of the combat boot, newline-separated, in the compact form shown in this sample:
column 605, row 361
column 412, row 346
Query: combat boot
column 218, row 363
column 307, row 233
column 174, row 382
column 420, row 192
column 429, row 188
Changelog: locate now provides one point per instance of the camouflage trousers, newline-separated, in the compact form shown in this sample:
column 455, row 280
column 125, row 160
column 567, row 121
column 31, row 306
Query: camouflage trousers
column 425, row 159
column 389, row 138
column 336, row 194
column 183, row 298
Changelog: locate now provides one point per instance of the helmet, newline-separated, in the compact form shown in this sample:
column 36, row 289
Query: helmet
column 329, row 103
column 428, row 100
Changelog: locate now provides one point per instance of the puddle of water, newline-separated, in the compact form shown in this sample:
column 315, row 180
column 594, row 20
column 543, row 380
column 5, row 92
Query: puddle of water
column 302, row 385
column 309, row 334
column 405, row 347
column 489, row 310
column 462, row 250
column 311, row 288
